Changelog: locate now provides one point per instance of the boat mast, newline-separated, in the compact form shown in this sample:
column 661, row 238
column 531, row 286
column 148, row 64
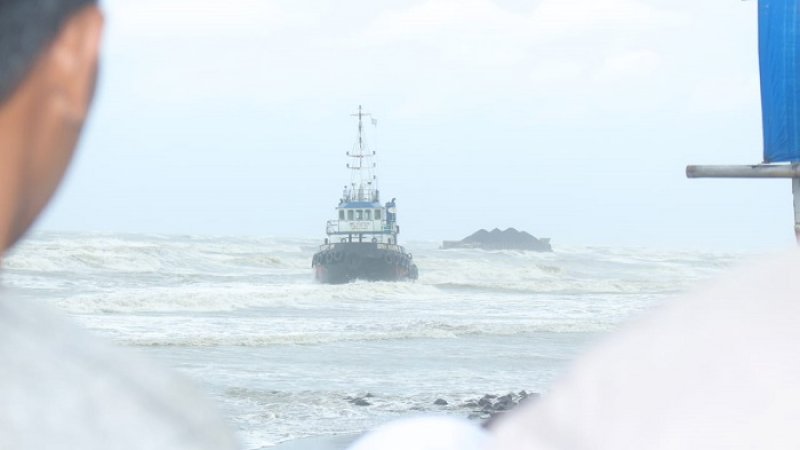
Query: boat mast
column 363, row 182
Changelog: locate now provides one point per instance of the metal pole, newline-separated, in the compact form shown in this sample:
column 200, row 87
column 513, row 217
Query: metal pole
column 757, row 171
column 796, row 195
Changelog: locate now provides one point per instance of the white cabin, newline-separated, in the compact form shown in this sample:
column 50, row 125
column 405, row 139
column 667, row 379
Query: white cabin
column 364, row 222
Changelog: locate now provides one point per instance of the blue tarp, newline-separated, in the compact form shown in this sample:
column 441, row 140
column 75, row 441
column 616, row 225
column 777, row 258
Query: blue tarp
column 779, row 50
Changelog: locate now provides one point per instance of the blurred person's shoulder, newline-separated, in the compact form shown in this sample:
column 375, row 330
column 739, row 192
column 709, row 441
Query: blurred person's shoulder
column 61, row 387
column 717, row 368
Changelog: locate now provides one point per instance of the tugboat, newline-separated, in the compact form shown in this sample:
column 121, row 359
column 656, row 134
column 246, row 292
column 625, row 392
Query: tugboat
column 362, row 243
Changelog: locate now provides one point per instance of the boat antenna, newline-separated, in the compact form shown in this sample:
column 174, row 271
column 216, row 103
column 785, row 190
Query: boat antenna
column 363, row 181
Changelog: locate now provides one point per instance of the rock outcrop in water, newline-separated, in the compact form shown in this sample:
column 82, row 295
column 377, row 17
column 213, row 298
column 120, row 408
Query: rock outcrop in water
column 485, row 409
column 489, row 407
column 510, row 239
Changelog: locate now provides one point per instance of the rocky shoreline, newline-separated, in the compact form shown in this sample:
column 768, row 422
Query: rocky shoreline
column 485, row 409
column 489, row 407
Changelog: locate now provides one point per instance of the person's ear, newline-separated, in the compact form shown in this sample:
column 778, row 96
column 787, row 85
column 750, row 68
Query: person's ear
column 71, row 63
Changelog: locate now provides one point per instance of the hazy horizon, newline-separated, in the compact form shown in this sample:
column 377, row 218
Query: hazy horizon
column 569, row 119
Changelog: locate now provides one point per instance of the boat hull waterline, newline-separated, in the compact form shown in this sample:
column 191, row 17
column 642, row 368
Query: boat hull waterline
column 345, row 263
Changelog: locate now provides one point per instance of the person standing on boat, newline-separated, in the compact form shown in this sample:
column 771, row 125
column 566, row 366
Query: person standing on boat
column 61, row 388
column 391, row 211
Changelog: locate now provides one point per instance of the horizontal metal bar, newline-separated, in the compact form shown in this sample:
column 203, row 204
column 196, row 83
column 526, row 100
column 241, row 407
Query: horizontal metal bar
column 756, row 171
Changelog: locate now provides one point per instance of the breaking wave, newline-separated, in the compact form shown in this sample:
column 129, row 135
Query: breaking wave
column 88, row 254
column 363, row 333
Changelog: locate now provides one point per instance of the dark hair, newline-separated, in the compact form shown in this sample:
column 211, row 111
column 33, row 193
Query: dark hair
column 26, row 28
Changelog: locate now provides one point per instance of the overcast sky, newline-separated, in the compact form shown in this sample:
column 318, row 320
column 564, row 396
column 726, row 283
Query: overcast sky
column 572, row 119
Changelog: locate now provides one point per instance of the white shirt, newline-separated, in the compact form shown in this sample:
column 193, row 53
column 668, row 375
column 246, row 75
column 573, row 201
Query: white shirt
column 716, row 369
column 61, row 388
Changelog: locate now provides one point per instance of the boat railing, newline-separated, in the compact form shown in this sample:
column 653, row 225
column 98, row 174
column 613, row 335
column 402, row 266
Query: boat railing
column 335, row 227
column 381, row 246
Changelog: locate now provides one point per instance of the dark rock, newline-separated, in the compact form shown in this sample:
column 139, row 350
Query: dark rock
column 489, row 407
column 368, row 395
column 510, row 239
column 440, row 402
column 360, row 402
column 504, row 406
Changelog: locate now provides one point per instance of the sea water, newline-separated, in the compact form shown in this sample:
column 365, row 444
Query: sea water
column 284, row 356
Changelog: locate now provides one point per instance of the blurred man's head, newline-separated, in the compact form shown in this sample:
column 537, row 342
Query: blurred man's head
column 48, row 65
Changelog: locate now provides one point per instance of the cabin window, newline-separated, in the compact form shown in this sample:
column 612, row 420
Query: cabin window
column 350, row 215
column 377, row 214
column 359, row 214
column 367, row 214
column 341, row 214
